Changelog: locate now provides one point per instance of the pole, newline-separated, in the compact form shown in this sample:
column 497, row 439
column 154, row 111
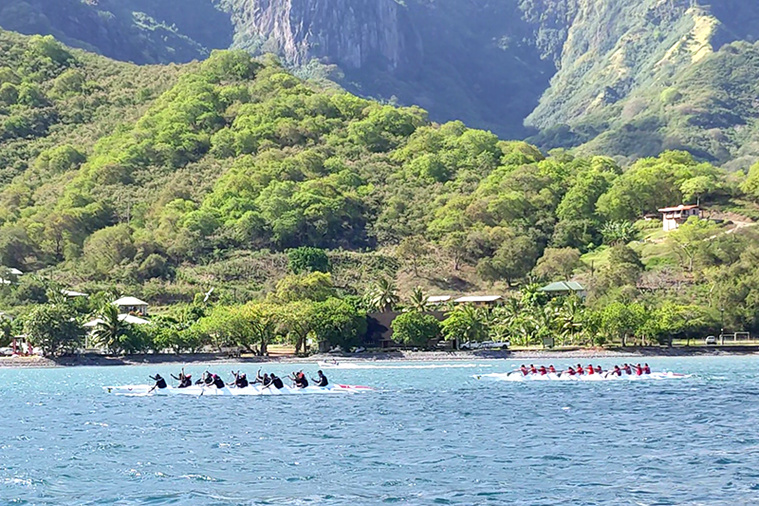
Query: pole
column 722, row 326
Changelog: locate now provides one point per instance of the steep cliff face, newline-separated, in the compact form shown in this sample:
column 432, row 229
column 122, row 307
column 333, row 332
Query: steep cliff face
column 140, row 31
column 474, row 61
column 351, row 33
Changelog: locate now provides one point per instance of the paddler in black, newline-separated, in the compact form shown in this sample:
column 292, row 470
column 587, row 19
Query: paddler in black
column 159, row 382
column 217, row 381
column 207, row 379
column 321, row 381
column 185, row 380
column 241, row 381
column 300, row 379
column 275, row 381
column 264, row 380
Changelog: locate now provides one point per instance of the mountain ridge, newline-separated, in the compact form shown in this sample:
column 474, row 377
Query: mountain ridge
column 559, row 70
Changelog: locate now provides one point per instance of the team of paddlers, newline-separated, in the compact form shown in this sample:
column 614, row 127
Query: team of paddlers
column 266, row 380
column 627, row 369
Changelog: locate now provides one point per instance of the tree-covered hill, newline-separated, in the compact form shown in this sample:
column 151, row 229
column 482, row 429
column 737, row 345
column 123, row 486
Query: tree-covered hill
column 623, row 78
column 166, row 181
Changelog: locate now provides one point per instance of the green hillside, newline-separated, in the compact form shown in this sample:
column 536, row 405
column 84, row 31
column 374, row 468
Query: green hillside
column 163, row 182
column 707, row 108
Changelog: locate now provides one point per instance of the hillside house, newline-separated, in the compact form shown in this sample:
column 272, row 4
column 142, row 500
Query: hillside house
column 559, row 288
column 673, row 217
column 485, row 301
column 436, row 300
column 134, row 305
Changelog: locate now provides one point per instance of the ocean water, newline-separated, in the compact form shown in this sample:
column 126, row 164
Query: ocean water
column 426, row 436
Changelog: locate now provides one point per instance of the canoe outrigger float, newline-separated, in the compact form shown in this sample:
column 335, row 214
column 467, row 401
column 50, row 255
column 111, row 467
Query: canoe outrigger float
column 204, row 390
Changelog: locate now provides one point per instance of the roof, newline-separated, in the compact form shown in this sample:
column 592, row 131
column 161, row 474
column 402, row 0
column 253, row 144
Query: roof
column 681, row 207
column 563, row 286
column 15, row 271
column 478, row 298
column 122, row 318
column 129, row 301
column 436, row 299
column 72, row 293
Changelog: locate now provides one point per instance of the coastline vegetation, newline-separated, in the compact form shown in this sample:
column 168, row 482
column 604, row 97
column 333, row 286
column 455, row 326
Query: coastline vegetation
column 306, row 208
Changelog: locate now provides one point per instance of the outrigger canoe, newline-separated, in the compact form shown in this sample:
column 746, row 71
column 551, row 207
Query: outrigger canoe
column 201, row 390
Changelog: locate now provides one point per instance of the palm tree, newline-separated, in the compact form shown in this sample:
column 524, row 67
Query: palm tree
column 384, row 295
column 110, row 329
column 418, row 300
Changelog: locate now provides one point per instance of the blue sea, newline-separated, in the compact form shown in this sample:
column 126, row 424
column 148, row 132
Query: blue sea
column 427, row 435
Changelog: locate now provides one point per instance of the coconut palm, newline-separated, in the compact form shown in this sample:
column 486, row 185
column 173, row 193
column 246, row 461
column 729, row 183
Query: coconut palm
column 384, row 295
column 418, row 300
column 110, row 330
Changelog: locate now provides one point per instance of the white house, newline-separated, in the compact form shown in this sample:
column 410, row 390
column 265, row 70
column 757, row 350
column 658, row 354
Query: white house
column 436, row 300
column 479, row 300
column 131, row 305
column 673, row 217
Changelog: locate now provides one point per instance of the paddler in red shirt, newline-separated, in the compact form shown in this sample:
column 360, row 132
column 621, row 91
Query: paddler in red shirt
column 646, row 369
column 580, row 370
column 542, row 370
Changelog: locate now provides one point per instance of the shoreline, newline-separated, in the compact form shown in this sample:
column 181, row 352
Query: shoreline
column 395, row 356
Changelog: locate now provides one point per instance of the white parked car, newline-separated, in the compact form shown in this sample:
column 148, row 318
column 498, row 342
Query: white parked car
column 711, row 340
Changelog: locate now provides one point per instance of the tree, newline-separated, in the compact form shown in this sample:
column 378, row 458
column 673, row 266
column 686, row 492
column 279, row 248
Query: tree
column 107, row 248
column 412, row 249
column 384, row 295
column 418, row 300
column 297, row 320
column 688, row 236
column 695, row 187
column 263, row 323
column 415, row 329
column 619, row 321
column 111, row 332
column 465, row 323
column 307, row 259
column 316, row 286
column 337, row 323
column 557, row 262
column 53, row 328
column 226, row 326
column 751, row 185
column 618, row 232
column 454, row 243
column 513, row 260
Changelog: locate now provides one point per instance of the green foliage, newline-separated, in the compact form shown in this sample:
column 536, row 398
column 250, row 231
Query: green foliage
column 618, row 232
column 415, row 329
column 53, row 328
column 307, row 259
column 465, row 324
column 383, row 296
column 338, row 323
column 315, row 286
column 557, row 263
